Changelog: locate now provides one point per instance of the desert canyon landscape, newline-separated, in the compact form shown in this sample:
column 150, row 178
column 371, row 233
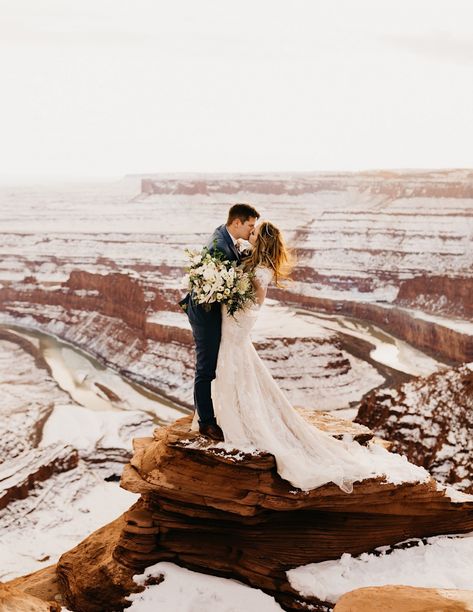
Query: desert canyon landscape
column 108, row 502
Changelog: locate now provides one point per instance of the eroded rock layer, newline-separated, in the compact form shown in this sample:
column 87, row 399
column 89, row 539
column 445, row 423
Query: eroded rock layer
column 230, row 514
column 113, row 317
column 429, row 420
column 366, row 243
column 15, row 600
column 405, row 599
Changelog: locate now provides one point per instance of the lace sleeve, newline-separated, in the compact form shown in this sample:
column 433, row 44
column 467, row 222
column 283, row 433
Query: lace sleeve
column 263, row 277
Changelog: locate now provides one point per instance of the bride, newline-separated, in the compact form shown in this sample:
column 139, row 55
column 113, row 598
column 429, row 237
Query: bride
column 253, row 412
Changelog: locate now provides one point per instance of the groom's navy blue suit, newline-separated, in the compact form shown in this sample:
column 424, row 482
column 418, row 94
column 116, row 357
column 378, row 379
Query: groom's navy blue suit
column 207, row 328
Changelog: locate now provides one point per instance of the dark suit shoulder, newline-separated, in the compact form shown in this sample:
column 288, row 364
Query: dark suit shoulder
column 219, row 242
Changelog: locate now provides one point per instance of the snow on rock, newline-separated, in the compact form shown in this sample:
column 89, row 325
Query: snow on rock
column 57, row 514
column 428, row 420
column 438, row 562
column 18, row 475
column 102, row 438
column 55, row 455
column 234, row 516
column 182, row 589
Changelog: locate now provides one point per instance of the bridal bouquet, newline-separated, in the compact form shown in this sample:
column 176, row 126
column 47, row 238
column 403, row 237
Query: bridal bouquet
column 212, row 278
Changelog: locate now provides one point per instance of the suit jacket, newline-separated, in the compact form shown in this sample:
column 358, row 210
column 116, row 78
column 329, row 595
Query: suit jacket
column 219, row 241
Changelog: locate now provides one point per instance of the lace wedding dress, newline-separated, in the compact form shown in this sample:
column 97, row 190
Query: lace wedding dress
column 253, row 412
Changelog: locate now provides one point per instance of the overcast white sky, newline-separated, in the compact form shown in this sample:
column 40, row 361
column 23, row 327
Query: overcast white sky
column 109, row 87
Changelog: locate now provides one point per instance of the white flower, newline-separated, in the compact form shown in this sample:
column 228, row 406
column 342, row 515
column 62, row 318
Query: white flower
column 209, row 273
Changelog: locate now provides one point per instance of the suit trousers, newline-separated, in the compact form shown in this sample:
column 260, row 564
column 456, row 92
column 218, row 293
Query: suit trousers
column 207, row 343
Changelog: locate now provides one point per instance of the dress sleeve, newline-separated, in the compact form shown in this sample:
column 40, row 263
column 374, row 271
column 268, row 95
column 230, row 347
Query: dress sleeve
column 264, row 277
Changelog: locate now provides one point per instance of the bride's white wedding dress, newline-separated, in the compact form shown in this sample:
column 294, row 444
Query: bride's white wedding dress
column 253, row 411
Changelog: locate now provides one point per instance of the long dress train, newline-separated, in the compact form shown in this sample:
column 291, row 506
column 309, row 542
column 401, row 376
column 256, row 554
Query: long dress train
column 252, row 411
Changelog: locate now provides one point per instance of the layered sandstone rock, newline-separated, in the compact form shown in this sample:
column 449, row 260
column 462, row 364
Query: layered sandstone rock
column 429, row 421
column 139, row 330
column 230, row 514
column 13, row 600
column 438, row 336
column 42, row 585
column 438, row 295
column 394, row 237
column 405, row 599
column 19, row 475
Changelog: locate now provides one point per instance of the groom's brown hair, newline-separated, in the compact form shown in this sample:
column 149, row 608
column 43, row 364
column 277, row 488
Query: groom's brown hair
column 242, row 212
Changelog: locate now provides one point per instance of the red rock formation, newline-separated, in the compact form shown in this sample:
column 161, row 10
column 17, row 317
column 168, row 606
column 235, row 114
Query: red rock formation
column 433, row 338
column 230, row 514
column 405, row 599
column 438, row 295
column 97, row 313
column 429, row 421
column 14, row 600
column 19, row 475
column 392, row 184
column 117, row 295
column 42, row 584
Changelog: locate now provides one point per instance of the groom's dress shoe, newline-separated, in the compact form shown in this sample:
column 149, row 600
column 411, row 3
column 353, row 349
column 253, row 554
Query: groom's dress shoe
column 211, row 430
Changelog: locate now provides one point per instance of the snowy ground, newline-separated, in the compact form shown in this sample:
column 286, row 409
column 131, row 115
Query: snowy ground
column 57, row 515
column 184, row 590
column 59, row 512
column 438, row 562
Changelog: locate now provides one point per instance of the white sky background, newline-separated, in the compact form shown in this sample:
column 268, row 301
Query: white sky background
column 109, row 87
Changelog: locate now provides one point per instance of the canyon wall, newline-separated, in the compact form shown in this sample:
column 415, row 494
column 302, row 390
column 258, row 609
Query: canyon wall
column 100, row 264
column 429, row 421
column 112, row 317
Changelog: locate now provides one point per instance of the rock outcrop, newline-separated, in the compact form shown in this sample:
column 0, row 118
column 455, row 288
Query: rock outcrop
column 405, row 599
column 429, row 421
column 19, row 475
column 230, row 514
column 438, row 295
column 14, row 600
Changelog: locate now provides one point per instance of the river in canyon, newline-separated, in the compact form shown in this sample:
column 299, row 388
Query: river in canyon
column 97, row 387
column 93, row 385
column 387, row 350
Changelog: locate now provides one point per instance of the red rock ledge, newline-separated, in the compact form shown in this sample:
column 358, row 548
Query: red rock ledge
column 232, row 515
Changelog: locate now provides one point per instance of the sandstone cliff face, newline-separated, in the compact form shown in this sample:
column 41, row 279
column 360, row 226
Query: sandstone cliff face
column 230, row 514
column 435, row 336
column 14, row 600
column 438, row 295
column 429, row 420
column 392, row 184
column 393, row 237
column 112, row 317
column 360, row 233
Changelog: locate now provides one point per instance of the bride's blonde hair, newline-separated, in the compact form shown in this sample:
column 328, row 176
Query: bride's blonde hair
column 270, row 250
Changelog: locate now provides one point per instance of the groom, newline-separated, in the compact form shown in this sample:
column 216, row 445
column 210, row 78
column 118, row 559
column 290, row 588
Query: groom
column 207, row 325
